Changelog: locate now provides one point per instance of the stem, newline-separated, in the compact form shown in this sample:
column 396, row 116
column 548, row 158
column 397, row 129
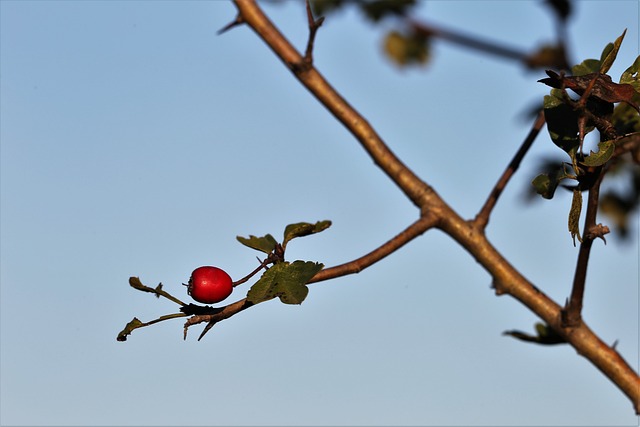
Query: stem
column 437, row 213
column 482, row 218
column 571, row 313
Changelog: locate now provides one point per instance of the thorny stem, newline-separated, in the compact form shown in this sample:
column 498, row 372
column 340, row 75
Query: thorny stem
column 507, row 280
column 482, row 219
column 571, row 313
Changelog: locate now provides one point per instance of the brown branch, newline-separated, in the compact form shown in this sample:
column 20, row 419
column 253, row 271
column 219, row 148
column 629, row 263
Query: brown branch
column 506, row 278
column 482, row 218
column 357, row 265
column 399, row 173
column 571, row 313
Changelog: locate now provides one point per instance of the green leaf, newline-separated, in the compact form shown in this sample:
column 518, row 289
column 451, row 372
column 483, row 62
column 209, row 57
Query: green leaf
column 562, row 122
column 544, row 185
column 286, row 281
column 412, row 49
column 301, row 229
column 605, row 151
column 631, row 75
column 587, row 66
column 574, row 216
column 264, row 244
column 609, row 54
column 134, row 324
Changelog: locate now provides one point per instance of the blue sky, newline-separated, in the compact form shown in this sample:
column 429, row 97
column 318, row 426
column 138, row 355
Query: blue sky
column 137, row 142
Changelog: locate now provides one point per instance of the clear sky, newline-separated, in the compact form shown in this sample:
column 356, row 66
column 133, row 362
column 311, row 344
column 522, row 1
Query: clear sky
column 137, row 142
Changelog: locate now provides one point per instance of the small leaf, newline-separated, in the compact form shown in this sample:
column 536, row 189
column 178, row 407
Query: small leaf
column 545, row 186
column 264, row 244
column 134, row 324
column 574, row 216
column 545, row 335
column 587, row 66
column 605, row 151
column 286, row 281
column 378, row 9
column 301, row 229
column 406, row 49
column 631, row 75
column 562, row 122
column 610, row 53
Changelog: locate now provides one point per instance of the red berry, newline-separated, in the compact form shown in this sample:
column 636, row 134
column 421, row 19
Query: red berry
column 209, row 285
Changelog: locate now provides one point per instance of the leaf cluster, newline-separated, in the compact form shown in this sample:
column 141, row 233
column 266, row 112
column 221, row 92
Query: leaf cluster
column 601, row 104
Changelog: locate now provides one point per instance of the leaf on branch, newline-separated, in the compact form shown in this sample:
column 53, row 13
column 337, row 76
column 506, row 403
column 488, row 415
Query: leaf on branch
column 134, row 324
column 603, row 89
column 631, row 75
column 378, row 9
column 286, row 281
column 412, row 49
column 562, row 122
column 264, row 244
column 302, row 229
column 605, row 151
column 545, row 335
column 548, row 56
column 610, row 53
column 546, row 184
column 574, row 216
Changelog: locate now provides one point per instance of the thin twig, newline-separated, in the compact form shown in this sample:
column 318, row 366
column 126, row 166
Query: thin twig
column 571, row 313
column 355, row 266
column 473, row 42
column 359, row 264
column 482, row 218
column 230, row 25
column 512, row 282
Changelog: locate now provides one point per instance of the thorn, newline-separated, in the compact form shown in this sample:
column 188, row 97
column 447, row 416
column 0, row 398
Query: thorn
column 238, row 21
column 614, row 345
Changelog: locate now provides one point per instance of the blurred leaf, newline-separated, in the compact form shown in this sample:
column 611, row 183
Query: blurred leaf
column 134, row 324
column 285, row 281
column 545, row 335
column 605, row 151
column 625, row 119
column 406, row 49
column 378, row 9
column 264, row 244
column 546, row 183
column 610, row 53
column 562, row 8
column 303, row 229
column 574, row 216
column 548, row 56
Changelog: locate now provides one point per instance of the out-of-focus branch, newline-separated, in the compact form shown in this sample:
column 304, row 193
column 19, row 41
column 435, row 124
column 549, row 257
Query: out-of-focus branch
column 482, row 219
column 549, row 58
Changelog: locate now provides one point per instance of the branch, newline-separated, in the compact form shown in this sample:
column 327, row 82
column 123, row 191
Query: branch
column 545, row 57
column 355, row 266
column 507, row 279
column 571, row 313
column 482, row 218
column 399, row 173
